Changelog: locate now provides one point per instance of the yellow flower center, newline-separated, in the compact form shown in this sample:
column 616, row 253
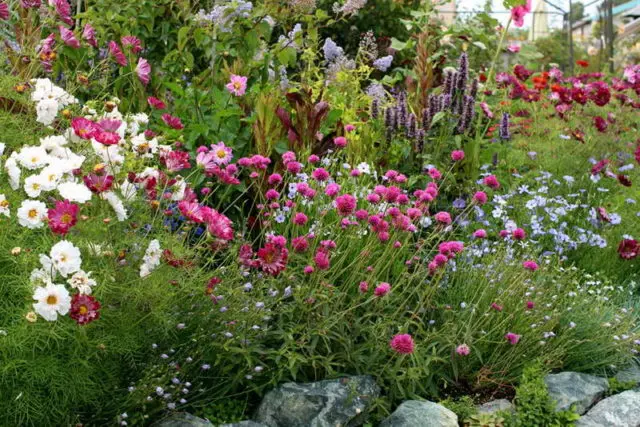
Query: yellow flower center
column 83, row 309
column 221, row 154
column 4, row 203
column 32, row 214
column 52, row 300
column 66, row 219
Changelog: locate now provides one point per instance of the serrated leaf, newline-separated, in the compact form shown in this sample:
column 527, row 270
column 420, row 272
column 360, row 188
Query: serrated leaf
column 183, row 33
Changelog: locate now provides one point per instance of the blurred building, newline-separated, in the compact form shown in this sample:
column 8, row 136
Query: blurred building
column 447, row 11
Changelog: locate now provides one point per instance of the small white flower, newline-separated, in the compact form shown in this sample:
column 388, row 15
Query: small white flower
column 33, row 186
column 32, row 213
column 74, row 192
column 52, row 300
column 65, row 258
column 4, row 206
column 82, row 282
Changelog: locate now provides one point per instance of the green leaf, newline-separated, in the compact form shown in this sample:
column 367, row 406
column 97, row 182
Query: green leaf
column 437, row 117
column 183, row 33
column 397, row 44
column 480, row 45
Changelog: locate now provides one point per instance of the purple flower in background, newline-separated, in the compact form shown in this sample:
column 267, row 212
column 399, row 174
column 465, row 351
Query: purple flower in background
column 383, row 63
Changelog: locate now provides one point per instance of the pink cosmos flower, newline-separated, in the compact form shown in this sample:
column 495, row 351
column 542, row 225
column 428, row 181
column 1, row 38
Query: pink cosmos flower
column 117, row 54
column 463, row 350
column 175, row 161
column 63, row 217
column 237, row 85
column 68, row 37
column 4, row 11
column 63, row 9
column 457, row 155
column 273, row 258
column 107, row 138
column 193, row 211
column 205, row 160
column 98, row 183
column 402, row 343
column 340, row 141
column 382, row 289
column 132, row 42
column 172, row 121
column 143, row 70
column 345, row 204
column 223, row 154
column 530, row 265
column 513, row 48
column 156, row 104
column 512, row 338
column 89, row 35
column 218, row 225
column 84, row 128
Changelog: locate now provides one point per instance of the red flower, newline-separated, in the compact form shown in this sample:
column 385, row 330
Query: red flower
column 600, row 124
column 628, row 249
column 582, row 63
column 84, row 309
column 63, row 217
column 521, row 72
column 637, row 154
column 4, row 11
column 156, row 103
column 172, row 121
column 624, row 180
column 599, row 167
column 98, row 183
column 85, row 129
column 273, row 258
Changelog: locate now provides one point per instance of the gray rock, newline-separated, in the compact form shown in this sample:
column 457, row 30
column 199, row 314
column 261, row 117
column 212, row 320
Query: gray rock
column 413, row 413
column 629, row 375
column 183, row 420
column 621, row 410
column 495, row 406
column 329, row 403
column 246, row 423
column 569, row 388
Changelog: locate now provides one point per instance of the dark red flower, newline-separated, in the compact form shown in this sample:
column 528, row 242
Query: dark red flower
column 628, row 249
column 578, row 135
column 84, row 309
column 599, row 167
column 522, row 73
column 579, row 95
column 600, row 124
column 272, row 258
column 582, row 63
column 637, row 154
column 156, row 103
column 63, row 217
column 624, row 180
column 172, row 121
column 98, row 183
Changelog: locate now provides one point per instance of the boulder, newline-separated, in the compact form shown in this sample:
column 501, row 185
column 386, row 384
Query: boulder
column 246, row 423
column 495, row 406
column 414, row 413
column 569, row 388
column 183, row 419
column 329, row 403
column 629, row 375
column 621, row 410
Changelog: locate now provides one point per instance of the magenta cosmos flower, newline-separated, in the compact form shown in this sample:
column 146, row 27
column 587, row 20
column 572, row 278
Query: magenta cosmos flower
column 89, row 35
column 519, row 12
column 222, row 153
column 84, row 309
column 172, row 121
column 85, row 129
column 4, row 11
column 402, row 343
column 628, row 249
column 63, row 217
column 68, row 37
column 155, row 103
column 143, row 70
column 117, row 54
column 132, row 42
column 237, row 85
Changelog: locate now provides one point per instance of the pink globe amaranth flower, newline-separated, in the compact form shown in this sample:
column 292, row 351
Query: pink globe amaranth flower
column 496, row 306
column 321, row 259
column 332, row 190
column 320, row 174
column 402, row 343
column 300, row 219
column 349, row 128
column 89, row 35
column 628, row 249
column 373, row 198
column 512, row 338
column 313, row 159
column 117, row 54
column 143, row 70
column 340, row 141
column 237, row 85
column 530, row 265
column 443, row 217
column 68, row 37
column 132, row 43
column 294, row 167
column 504, row 233
column 513, row 48
column 519, row 234
column 271, row 194
column 345, row 204
column 363, row 287
column 463, row 350
column 83, row 128
column 480, row 234
column 308, row 269
column 382, row 289
column 222, row 153
column 439, row 260
column 480, row 197
column 435, row 173
column 397, row 244
column 156, row 103
column 4, row 11
column 63, row 217
column 300, row 244
column 361, row 214
column 457, row 155
column 491, row 181
column 384, row 236
column 530, row 305
column 274, row 179
column 172, row 121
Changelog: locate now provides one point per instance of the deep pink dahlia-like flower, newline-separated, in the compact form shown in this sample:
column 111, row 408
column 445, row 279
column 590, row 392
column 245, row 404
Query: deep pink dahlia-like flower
column 402, row 343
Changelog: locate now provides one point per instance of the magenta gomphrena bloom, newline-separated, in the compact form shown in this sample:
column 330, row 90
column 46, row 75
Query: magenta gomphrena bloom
column 313, row 159
column 294, row 167
column 443, row 217
column 320, row 174
column 504, row 233
column 402, row 343
column 300, row 219
column 530, row 305
column 143, row 70
column 237, row 85
column 463, row 350
column 519, row 234
column 519, row 12
column 363, row 287
column 69, row 38
column 332, row 190
column 530, row 265
column 300, row 244
column 480, row 197
column 435, row 173
column 439, row 260
column 512, row 338
column 349, row 128
column 345, row 204
column 457, row 155
column 308, row 269
column 491, row 181
column 271, row 194
column 222, row 153
column 361, row 214
column 321, row 259
column 340, row 141
column 382, row 289
column 480, row 233
column 274, row 178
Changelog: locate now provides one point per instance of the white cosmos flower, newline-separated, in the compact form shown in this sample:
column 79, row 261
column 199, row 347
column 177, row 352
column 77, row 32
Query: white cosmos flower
column 2, row 147
column 46, row 111
column 31, row 213
column 33, row 157
column 50, row 176
column 52, row 142
column 151, row 258
column 116, row 204
column 82, row 282
column 74, row 192
column 65, row 258
column 4, row 206
column 51, row 300
column 33, row 186
column 11, row 166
